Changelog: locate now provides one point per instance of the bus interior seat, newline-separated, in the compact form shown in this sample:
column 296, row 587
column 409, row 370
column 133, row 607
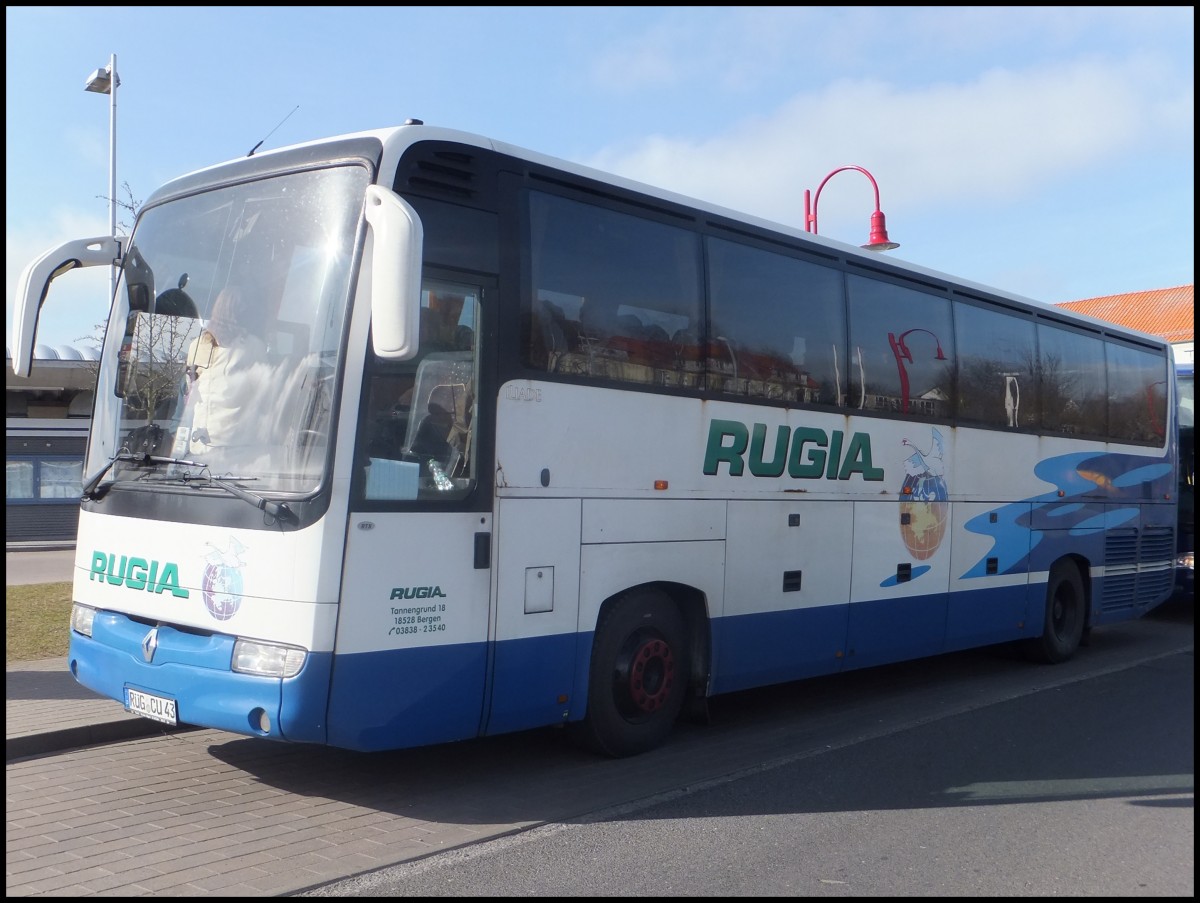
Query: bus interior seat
column 441, row 406
column 433, row 427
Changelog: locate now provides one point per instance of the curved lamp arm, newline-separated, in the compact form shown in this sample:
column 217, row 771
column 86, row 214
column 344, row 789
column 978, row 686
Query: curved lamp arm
column 878, row 240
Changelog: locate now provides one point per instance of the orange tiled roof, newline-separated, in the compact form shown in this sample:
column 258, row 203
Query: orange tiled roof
column 1164, row 312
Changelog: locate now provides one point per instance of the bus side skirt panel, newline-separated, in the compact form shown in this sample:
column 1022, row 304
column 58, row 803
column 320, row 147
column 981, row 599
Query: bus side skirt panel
column 402, row 698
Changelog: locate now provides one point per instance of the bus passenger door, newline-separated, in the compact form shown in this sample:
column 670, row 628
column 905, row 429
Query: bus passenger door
column 411, row 650
column 536, row 614
column 411, row 653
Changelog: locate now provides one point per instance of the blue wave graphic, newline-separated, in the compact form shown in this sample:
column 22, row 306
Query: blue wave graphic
column 1104, row 478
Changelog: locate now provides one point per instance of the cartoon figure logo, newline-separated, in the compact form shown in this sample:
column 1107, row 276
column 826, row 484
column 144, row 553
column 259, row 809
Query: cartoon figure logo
column 924, row 498
column 222, row 583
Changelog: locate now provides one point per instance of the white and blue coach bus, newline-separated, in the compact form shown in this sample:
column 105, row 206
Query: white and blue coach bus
column 527, row 444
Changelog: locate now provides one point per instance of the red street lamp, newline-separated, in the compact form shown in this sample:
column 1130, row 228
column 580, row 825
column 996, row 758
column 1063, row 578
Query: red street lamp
column 879, row 240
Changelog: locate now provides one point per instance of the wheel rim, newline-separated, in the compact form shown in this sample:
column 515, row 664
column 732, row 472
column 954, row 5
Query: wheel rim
column 645, row 675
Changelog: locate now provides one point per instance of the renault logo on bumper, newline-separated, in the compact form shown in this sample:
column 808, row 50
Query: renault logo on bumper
column 149, row 644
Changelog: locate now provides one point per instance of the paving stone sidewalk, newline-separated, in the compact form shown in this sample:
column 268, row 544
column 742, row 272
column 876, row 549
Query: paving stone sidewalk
column 46, row 710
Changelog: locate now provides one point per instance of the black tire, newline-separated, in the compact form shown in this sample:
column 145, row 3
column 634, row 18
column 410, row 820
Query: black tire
column 638, row 676
column 1066, row 616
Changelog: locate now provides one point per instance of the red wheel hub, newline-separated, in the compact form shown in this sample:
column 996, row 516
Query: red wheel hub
column 651, row 675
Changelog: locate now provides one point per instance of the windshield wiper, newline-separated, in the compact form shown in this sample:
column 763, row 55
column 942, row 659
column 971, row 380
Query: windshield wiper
column 92, row 489
column 277, row 510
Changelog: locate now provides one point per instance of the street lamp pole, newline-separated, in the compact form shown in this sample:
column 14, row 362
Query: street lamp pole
column 106, row 81
column 879, row 240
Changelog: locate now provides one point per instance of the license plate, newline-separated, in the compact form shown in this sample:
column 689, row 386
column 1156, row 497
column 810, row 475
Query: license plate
column 155, row 708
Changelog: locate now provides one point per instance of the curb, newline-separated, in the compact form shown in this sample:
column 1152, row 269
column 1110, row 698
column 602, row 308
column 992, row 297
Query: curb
column 49, row 742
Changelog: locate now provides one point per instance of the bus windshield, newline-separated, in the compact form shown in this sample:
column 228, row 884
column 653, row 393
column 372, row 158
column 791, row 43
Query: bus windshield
column 221, row 351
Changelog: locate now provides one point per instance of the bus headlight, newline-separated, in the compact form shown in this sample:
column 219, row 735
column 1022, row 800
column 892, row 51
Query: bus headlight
column 1187, row 561
column 81, row 618
column 267, row 659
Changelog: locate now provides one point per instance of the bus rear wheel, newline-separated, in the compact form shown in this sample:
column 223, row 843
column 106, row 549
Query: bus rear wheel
column 1066, row 614
column 638, row 676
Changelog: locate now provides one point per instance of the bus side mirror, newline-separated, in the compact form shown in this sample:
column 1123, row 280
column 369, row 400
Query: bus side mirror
column 35, row 283
column 394, row 251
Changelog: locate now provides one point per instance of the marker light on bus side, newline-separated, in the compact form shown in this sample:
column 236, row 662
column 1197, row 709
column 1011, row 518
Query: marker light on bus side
column 267, row 659
column 81, row 618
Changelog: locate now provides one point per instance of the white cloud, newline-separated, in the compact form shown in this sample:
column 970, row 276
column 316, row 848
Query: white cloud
column 767, row 49
column 735, row 49
column 1001, row 135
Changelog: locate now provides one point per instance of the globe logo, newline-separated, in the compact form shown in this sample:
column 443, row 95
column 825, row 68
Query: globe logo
column 222, row 582
column 222, row 591
column 925, row 505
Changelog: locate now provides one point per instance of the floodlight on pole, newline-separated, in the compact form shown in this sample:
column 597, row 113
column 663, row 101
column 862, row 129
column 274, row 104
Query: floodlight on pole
column 106, row 81
column 878, row 240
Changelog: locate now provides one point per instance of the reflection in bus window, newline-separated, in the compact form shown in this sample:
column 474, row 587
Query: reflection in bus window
column 1137, row 394
column 996, row 368
column 1072, row 382
column 615, row 296
column 779, row 327
column 901, row 350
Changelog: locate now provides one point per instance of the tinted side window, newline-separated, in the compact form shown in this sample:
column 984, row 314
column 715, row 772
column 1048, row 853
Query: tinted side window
column 1137, row 394
column 417, row 435
column 614, row 296
column 996, row 368
column 1072, row 382
column 901, row 350
column 458, row 237
column 778, row 326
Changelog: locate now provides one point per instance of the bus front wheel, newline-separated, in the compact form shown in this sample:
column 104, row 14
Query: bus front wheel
column 638, row 677
column 1066, row 613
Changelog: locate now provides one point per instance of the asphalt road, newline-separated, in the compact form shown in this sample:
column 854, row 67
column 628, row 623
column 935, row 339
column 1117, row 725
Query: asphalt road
column 1086, row 789
column 975, row 773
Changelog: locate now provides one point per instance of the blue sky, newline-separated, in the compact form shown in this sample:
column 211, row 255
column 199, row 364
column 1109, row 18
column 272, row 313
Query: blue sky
column 1048, row 151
